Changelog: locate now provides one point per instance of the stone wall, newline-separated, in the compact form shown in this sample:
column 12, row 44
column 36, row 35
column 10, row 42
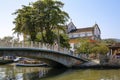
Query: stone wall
column 114, row 60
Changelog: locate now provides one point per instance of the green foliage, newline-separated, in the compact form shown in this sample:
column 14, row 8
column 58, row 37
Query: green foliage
column 86, row 46
column 7, row 39
column 50, row 37
column 100, row 48
column 42, row 16
column 64, row 41
column 109, row 41
column 24, row 22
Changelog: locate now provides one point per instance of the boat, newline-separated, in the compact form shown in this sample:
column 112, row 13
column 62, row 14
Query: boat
column 17, row 59
column 31, row 63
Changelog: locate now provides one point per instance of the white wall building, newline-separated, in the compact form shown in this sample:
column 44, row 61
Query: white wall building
column 93, row 33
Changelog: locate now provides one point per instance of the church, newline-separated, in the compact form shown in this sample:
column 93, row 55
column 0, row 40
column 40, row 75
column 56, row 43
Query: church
column 74, row 33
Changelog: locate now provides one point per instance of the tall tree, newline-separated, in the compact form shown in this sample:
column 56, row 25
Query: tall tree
column 42, row 16
column 24, row 22
column 51, row 17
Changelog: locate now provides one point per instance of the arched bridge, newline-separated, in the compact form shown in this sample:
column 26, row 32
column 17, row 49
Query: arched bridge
column 49, row 54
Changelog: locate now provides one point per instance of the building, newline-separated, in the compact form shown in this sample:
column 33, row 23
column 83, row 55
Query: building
column 93, row 33
column 115, row 49
column 114, row 54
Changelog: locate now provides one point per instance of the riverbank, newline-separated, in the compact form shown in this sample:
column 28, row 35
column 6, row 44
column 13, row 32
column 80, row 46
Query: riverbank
column 95, row 64
column 97, row 67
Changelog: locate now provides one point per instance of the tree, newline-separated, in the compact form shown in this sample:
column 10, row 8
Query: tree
column 41, row 17
column 7, row 39
column 97, row 47
column 51, row 17
column 24, row 22
column 100, row 48
column 84, row 46
column 64, row 41
column 109, row 41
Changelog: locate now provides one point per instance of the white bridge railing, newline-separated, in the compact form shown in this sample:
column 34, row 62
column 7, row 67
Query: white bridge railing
column 38, row 45
column 32, row 44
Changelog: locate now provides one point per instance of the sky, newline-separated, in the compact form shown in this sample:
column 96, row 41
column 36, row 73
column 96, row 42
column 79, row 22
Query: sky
column 83, row 13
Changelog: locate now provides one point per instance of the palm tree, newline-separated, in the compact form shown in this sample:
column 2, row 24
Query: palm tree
column 24, row 22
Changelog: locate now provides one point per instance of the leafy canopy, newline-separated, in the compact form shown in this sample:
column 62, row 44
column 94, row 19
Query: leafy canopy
column 88, row 46
column 41, row 18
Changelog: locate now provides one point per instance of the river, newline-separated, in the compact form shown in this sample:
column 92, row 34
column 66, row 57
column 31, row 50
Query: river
column 8, row 72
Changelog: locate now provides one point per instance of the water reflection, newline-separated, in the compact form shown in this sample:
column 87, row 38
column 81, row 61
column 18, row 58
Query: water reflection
column 41, row 73
column 27, row 73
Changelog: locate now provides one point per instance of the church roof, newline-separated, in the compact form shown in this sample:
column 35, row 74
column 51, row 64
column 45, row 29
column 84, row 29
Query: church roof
column 83, row 30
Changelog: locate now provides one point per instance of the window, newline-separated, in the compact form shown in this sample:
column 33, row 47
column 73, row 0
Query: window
column 82, row 34
column 76, row 35
column 70, row 36
column 89, row 33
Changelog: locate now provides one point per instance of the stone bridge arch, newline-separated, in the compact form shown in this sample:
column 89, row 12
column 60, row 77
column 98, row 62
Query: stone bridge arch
column 53, row 58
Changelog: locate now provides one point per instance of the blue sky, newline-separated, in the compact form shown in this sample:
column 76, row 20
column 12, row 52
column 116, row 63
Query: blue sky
column 84, row 13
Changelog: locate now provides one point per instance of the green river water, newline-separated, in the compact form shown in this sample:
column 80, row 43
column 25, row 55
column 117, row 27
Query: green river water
column 8, row 72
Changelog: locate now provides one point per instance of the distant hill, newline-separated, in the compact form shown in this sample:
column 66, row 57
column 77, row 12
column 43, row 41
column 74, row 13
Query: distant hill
column 113, row 39
column 117, row 40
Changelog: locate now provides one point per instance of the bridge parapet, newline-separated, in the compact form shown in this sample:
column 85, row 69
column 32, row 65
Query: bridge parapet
column 37, row 45
column 40, row 46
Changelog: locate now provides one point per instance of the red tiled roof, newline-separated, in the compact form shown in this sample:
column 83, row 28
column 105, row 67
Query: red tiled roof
column 91, row 40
